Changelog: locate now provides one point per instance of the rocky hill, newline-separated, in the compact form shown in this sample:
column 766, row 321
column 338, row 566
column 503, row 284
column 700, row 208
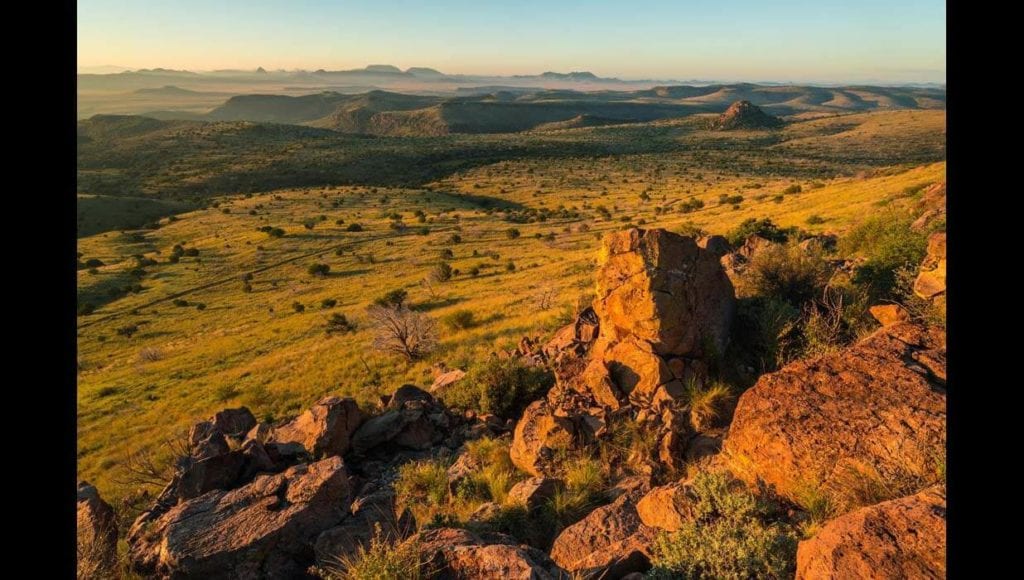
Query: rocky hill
column 744, row 115
column 632, row 373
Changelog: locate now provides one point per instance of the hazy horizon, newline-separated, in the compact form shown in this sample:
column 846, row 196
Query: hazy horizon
column 797, row 41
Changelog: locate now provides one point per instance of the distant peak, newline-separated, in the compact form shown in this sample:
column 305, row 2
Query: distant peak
column 574, row 75
column 385, row 68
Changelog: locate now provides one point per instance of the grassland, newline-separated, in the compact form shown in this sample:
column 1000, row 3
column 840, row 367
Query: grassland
column 151, row 361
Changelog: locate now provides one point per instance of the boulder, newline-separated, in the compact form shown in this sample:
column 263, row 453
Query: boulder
column 458, row 554
column 717, row 245
column 412, row 420
column 537, row 435
column 234, row 422
column 325, row 429
column 889, row 314
column 902, row 538
column 374, row 507
column 218, row 472
column 445, row 380
column 97, row 533
column 667, row 507
column 608, row 543
column 207, row 441
column 533, row 492
column 262, row 530
column 879, row 404
column 663, row 288
column 931, row 281
column 640, row 373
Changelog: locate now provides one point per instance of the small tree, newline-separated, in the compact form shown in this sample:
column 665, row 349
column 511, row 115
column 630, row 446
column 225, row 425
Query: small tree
column 339, row 323
column 442, row 272
column 512, row 233
column 403, row 331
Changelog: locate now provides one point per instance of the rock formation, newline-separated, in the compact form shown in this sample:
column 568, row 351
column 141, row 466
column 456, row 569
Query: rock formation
column 878, row 405
column 903, row 538
column 744, row 115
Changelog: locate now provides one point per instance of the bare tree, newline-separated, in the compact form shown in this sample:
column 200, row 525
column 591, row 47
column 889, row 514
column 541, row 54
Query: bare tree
column 546, row 297
column 403, row 331
column 143, row 467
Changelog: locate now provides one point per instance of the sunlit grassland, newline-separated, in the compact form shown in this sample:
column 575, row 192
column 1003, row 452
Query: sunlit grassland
column 254, row 349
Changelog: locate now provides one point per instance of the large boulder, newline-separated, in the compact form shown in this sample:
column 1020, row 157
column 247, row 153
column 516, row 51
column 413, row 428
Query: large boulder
column 234, row 422
column 902, row 538
column 97, row 533
column 533, row 492
column 608, row 543
column 663, row 288
column 538, row 434
column 877, row 406
column 325, row 429
column 262, row 530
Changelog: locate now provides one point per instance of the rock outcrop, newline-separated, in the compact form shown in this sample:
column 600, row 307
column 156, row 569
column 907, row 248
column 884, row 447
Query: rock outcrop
column 325, row 429
column 903, row 538
column 931, row 281
column 463, row 555
column 373, row 509
column 97, row 533
column 667, row 507
column 261, row 530
column 878, row 405
column 744, row 115
column 412, row 419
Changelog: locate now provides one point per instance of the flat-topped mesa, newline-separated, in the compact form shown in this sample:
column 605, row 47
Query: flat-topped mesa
column 665, row 289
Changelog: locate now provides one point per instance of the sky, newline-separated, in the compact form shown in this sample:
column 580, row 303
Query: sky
column 730, row 40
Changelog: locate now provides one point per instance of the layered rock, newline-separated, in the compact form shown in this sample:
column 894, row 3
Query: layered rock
column 261, row 530
column 412, row 419
column 876, row 406
column 903, row 538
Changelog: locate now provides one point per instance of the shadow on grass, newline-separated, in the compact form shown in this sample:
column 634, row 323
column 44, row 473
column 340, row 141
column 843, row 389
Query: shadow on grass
column 436, row 303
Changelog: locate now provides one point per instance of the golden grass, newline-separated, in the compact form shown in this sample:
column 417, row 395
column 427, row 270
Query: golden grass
column 252, row 348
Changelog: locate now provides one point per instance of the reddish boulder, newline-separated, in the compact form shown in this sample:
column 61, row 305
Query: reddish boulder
column 889, row 314
column 931, row 281
column 879, row 404
column 537, row 435
column 903, row 538
column 667, row 507
column 325, row 429
column 608, row 543
column 663, row 288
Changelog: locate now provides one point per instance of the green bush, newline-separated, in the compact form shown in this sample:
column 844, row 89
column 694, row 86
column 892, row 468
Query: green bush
column 889, row 245
column 354, row 228
column 730, row 537
column 338, row 323
column 392, row 299
column 459, row 320
column 765, row 228
column 786, row 272
column 792, row 189
column 503, row 387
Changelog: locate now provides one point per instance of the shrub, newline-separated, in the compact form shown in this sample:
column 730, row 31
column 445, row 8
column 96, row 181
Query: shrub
column 455, row 239
column 503, row 387
column 86, row 308
column 510, row 266
column 382, row 559
column 730, row 537
column 460, row 319
column 225, row 392
column 447, row 254
column 180, row 302
column 765, row 228
column 442, row 272
column 192, row 252
column 318, row 270
column 128, row 330
column 512, row 233
column 422, row 487
column 393, row 299
column 354, row 227
column 338, row 323
column 327, row 303
column 786, row 272
column 298, row 307
column 707, row 403
column 815, row 219
column 94, row 263
column 795, row 188
column 889, row 244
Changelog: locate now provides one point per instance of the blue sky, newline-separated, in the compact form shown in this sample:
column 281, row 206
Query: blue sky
column 782, row 40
